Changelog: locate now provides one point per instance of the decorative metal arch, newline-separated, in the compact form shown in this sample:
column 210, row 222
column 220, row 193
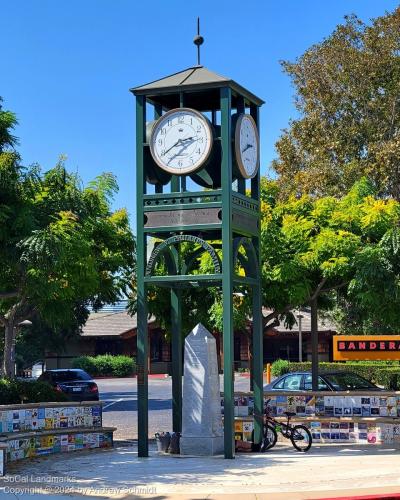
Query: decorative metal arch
column 250, row 263
column 166, row 248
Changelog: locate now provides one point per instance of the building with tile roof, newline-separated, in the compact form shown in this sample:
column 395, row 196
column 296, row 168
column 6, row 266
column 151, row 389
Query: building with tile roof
column 113, row 330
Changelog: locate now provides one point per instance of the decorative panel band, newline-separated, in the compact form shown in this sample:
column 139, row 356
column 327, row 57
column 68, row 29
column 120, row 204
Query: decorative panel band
column 188, row 217
column 245, row 222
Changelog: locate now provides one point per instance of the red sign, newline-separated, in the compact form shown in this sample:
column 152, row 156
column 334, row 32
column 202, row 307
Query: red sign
column 364, row 347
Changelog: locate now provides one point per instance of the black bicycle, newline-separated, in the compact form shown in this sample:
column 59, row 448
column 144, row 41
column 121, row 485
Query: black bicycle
column 299, row 435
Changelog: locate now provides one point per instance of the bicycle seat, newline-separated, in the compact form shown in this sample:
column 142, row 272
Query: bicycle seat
column 289, row 413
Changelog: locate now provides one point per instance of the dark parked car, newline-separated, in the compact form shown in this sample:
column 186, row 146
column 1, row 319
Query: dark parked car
column 332, row 381
column 76, row 384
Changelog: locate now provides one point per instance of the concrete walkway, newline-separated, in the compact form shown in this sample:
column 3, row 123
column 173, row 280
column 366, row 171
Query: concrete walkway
column 326, row 471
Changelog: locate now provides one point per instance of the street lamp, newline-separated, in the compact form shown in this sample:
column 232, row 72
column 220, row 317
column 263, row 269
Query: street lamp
column 300, row 317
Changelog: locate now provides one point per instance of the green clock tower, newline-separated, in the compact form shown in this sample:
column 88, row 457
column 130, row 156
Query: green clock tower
column 198, row 182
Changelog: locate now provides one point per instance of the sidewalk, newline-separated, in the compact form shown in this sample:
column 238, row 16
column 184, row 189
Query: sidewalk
column 327, row 471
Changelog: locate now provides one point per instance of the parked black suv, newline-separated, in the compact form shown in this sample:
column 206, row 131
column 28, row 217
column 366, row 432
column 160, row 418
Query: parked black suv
column 76, row 384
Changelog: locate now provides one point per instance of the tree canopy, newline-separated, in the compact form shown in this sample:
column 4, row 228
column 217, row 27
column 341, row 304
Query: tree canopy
column 348, row 99
column 62, row 248
column 334, row 248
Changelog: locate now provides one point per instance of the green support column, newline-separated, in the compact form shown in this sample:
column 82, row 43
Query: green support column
column 258, row 334
column 255, row 181
column 157, row 113
column 257, row 373
column 142, row 335
column 227, row 272
column 176, row 322
column 241, row 109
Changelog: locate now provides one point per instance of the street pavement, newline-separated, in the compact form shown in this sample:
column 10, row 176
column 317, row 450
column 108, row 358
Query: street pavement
column 326, row 471
column 341, row 471
column 120, row 404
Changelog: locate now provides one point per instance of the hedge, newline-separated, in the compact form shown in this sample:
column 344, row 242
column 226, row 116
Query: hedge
column 379, row 373
column 17, row 391
column 106, row 365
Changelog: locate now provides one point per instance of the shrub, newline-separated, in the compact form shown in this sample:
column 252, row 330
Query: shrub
column 106, row 365
column 122, row 366
column 8, row 392
column 279, row 367
column 17, row 391
column 86, row 363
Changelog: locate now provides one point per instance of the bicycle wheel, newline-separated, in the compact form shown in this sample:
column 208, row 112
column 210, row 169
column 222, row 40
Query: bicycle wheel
column 301, row 438
column 269, row 438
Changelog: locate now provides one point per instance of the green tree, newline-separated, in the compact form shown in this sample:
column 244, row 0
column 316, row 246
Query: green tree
column 347, row 95
column 62, row 248
column 318, row 249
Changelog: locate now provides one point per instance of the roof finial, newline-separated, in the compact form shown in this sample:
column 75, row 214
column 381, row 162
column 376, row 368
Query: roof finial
column 198, row 40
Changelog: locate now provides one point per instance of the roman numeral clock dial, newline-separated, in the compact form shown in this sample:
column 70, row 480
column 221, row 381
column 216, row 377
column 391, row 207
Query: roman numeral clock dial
column 181, row 141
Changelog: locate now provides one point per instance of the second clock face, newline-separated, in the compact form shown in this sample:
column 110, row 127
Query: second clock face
column 246, row 146
column 181, row 141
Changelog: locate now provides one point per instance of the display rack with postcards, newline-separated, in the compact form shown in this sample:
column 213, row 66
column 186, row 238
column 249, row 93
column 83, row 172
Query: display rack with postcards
column 358, row 418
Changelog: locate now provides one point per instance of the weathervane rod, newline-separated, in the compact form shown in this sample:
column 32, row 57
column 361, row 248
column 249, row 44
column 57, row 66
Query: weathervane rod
column 198, row 40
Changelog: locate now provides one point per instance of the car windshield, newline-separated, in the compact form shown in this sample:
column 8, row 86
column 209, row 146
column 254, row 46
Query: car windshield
column 345, row 381
column 69, row 375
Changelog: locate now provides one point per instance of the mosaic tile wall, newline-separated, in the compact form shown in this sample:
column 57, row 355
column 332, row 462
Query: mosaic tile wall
column 336, row 432
column 323, row 406
column 44, row 445
column 33, row 419
column 326, row 431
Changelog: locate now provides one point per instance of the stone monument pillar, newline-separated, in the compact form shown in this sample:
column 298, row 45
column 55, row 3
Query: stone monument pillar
column 202, row 432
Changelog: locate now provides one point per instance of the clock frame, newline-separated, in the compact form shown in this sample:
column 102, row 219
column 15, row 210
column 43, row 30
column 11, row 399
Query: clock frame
column 243, row 171
column 202, row 130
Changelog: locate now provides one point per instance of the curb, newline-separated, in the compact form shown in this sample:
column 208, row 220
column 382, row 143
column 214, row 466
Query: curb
column 155, row 375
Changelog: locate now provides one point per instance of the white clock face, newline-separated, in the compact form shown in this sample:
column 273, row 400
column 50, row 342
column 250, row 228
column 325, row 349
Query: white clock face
column 181, row 141
column 246, row 146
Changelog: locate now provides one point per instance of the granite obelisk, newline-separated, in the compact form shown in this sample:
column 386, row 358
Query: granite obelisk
column 202, row 431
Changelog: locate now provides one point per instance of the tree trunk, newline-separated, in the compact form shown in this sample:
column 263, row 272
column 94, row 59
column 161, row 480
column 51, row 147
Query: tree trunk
column 9, row 347
column 314, row 343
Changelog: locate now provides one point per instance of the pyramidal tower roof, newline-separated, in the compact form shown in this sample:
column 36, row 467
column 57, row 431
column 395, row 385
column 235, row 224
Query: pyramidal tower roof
column 193, row 78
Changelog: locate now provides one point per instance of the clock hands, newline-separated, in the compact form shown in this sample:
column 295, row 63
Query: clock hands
column 176, row 144
column 169, row 149
column 184, row 146
column 247, row 147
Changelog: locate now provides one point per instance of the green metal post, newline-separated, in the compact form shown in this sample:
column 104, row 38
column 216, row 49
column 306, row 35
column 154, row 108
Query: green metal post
column 142, row 334
column 227, row 272
column 241, row 109
column 176, row 321
column 214, row 117
column 157, row 111
column 257, row 372
column 157, row 114
column 258, row 334
column 175, row 184
column 255, row 181
column 175, row 179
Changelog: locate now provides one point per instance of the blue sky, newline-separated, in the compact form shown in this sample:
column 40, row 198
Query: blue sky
column 67, row 65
